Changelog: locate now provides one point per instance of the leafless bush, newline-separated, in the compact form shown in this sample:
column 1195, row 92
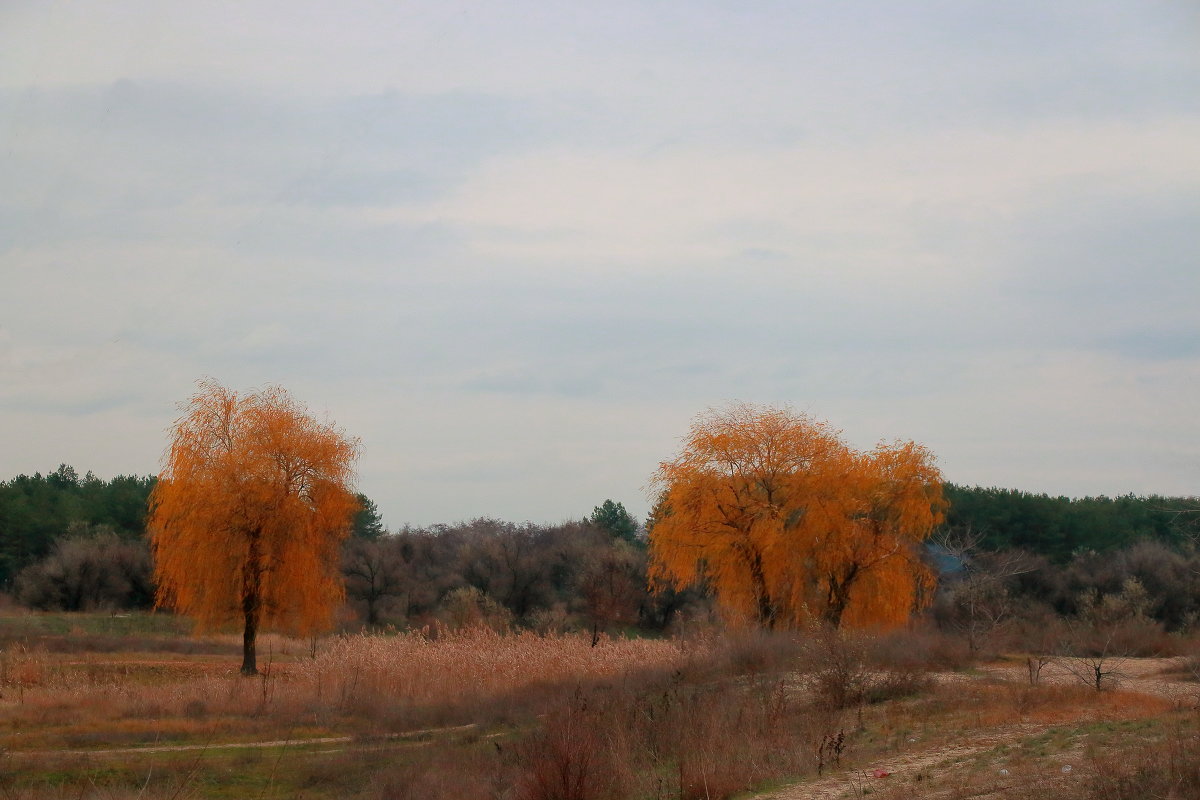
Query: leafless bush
column 979, row 599
column 840, row 672
column 757, row 651
column 577, row 755
column 1166, row 769
column 91, row 568
column 724, row 736
column 1037, row 630
column 470, row 608
column 921, row 648
column 1094, row 659
column 848, row 669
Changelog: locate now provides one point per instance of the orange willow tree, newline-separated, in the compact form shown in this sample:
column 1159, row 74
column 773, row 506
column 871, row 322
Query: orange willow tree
column 789, row 525
column 248, row 514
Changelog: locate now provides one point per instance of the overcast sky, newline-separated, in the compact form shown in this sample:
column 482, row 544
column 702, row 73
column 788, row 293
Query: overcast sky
column 516, row 247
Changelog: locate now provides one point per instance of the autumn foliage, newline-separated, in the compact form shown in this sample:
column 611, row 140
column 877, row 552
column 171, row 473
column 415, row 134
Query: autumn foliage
column 789, row 525
column 249, row 512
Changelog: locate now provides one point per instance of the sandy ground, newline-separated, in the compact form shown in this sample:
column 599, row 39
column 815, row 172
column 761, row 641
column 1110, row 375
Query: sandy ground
column 934, row 773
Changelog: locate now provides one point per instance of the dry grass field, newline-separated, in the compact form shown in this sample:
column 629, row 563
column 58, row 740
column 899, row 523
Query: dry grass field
column 94, row 706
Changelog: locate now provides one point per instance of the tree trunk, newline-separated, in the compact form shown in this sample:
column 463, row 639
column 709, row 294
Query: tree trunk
column 839, row 597
column 251, row 606
column 372, row 611
column 833, row 613
column 767, row 612
column 249, row 656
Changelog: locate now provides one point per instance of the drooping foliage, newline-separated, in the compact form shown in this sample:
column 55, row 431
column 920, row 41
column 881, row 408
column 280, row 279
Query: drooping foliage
column 249, row 512
column 789, row 525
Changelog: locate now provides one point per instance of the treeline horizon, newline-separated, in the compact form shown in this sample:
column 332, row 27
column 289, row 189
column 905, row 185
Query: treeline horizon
column 78, row 543
column 66, row 473
column 36, row 509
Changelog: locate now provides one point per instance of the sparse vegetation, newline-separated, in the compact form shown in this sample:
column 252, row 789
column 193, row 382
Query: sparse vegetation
column 477, row 712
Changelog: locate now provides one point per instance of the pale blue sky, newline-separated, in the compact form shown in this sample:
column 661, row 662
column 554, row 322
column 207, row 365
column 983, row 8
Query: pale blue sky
column 516, row 247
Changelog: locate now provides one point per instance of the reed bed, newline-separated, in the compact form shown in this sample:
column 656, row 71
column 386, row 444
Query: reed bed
column 424, row 668
column 357, row 681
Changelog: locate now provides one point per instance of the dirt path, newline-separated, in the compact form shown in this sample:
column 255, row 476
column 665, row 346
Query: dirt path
column 392, row 738
column 903, row 768
column 939, row 772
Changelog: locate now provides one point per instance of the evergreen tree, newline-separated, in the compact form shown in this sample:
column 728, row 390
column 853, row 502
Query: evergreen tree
column 613, row 517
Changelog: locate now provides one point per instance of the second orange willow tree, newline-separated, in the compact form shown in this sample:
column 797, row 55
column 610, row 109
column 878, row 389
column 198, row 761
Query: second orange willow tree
column 791, row 526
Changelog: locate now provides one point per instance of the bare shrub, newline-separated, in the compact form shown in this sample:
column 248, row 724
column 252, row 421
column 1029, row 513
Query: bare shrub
column 931, row 648
column 576, row 756
column 848, row 669
column 726, row 721
column 1117, row 622
column 552, row 620
column 690, row 734
column 840, row 672
column 1167, row 769
column 1036, row 630
column 468, row 607
column 1101, row 672
column 757, row 651
column 922, row 648
column 91, row 568
column 1189, row 662
column 1143, row 637
column 721, row 735
column 733, row 739
column 1093, row 657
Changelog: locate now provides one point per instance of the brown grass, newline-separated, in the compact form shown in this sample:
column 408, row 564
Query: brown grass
column 417, row 669
column 538, row 717
column 357, row 683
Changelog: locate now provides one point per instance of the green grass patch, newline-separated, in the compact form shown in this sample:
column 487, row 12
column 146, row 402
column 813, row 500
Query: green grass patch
column 15, row 626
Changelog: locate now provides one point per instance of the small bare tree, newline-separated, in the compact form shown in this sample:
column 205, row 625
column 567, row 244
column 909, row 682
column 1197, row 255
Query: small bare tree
column 1099, row 669
column 1098, row 653
column 977, row 602
column 611, row 588
column 1041, row 633
column 374, row 570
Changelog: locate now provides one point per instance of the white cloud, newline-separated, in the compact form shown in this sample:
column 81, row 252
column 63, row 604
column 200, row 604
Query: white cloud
column 818, row 205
